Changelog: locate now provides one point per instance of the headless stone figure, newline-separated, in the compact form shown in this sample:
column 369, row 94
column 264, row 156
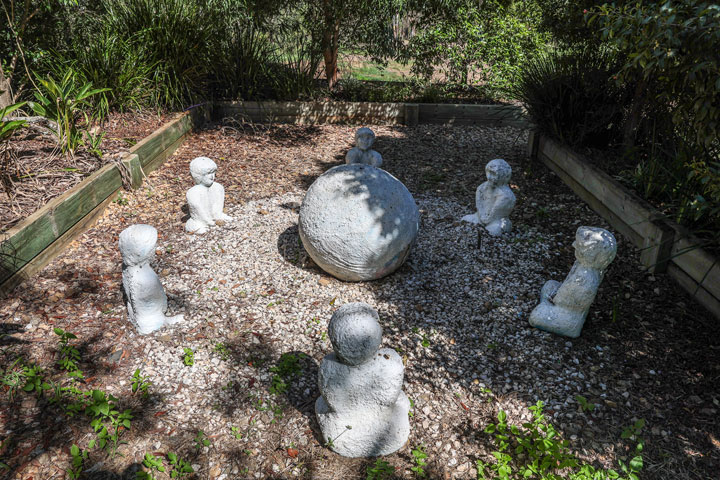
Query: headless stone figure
column 363, row 411
column 564, row 307
column 494, row 200
column 206, row 199
column 145, row 297
column 362, row 153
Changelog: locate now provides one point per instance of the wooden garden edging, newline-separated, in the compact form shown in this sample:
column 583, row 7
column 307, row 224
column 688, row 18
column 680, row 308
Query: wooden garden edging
column 664, row 245
column 33, row 243
column 371, row 113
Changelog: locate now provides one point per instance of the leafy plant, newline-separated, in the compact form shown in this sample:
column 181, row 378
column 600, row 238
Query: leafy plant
column 64, row 102
column 78, row 458
column 201, row 440
column 419, row 457
column 14, row 377
column 69, row 355
column 222, row 350
column 154, row 464
column 107, row 420
column 34, row 380
column 585, row 404
column 8, row 126
column 140, row 383
column 181, row 468
column 381, row 470
column 235, row 432
column 288, row 366
column 188, row 357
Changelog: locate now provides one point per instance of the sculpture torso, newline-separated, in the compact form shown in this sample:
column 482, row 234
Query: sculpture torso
column 206, row 206
column 147, row 302
column 578, row 290
column 374, row 384
column 493, row 203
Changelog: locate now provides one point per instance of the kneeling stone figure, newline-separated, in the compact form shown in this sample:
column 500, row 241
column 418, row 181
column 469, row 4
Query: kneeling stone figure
column 206, row 199
column 363, row 411
column 145, row 296
column 362, row 152
column 494, row 200
column 564, row 307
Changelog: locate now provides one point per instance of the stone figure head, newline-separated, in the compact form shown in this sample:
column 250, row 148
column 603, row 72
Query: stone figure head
column 137, row 244
column 355, row 333
column 498, row 172
column 364, row 138
column 594, row 247
column 202, row 170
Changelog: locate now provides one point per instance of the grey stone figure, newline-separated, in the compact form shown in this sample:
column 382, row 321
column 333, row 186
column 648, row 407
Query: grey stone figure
column 358, row 222
column 564, row 307
column 362, row 410
column 494, row 200
column 362, row 152
column 145, row 296
column 206, row 199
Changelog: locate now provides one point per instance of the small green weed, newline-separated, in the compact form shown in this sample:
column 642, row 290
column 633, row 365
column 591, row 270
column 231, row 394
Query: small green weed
column 382, row 470
column 140, row 383
column 69, row 355
column 14, row 377
column 107, row 421
column 121, row 200
column 585, row 405
column 76, row 464
column 235, row 432
column 180, row 468
column 188, row 357
column 201, row 440
column 221, row 349
column 288, row 367
column 330, row 442
column 419, row 457
column 154, row 464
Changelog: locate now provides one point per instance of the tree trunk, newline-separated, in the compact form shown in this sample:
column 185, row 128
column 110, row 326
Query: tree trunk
column 331, row 35
column 5, row 97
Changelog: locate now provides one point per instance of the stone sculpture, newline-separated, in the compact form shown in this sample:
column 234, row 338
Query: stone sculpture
column 358, row 222
column 206, row 199
column 563, row 307
column 144, row 294
column 362, row 410
column 494, row 200
column 362, row 153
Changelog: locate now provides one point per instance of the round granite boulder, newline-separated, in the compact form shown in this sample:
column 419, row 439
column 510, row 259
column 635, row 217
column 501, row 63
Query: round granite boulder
column 358, row 222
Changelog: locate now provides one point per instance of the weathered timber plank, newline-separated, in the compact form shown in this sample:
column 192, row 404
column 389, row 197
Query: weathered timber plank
column 694, row 260
column 160, row 158
column 53, row 250
column 703, row 297
column 616, row 221
column 159, row 140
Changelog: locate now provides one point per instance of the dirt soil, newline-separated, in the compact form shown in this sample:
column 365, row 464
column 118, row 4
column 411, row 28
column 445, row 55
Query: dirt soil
column 659, row 360
column 40, row 172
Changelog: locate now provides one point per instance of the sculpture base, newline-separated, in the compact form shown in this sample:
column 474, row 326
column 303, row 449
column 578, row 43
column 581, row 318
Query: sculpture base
column 372, row 433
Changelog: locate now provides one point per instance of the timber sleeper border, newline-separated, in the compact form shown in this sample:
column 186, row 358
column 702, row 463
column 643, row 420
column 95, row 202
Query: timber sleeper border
column 664, row 245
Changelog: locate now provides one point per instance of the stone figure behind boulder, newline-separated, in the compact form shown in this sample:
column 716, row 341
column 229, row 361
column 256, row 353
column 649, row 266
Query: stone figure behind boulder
column 206, row 199
column 362, row 152
column 494, row 200
column 362, row 410
column 564, row 306
column 144, row 294
column 358, row 222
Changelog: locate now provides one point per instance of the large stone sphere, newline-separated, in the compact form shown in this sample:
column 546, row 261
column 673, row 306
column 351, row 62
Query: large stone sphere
column 358, row 222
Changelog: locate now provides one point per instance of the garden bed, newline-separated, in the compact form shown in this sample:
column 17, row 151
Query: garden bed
column 456, row 312
column 46, row 173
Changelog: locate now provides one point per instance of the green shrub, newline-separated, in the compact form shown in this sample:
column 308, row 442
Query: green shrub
column 571, row 96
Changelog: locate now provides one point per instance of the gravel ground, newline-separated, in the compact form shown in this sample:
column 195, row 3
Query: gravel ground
column 456, row 312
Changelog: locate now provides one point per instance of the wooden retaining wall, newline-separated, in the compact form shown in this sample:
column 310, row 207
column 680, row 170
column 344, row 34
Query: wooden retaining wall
column 31, row 244
column 664, row 246
column 370, row 113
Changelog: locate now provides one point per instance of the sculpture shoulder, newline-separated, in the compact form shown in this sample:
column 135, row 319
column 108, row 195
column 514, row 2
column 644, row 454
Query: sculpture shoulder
column 217, row 188
column 377, row 159
column 353, row 156
column 196, row 192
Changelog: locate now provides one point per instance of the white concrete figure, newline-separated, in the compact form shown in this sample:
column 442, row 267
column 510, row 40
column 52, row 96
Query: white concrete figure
column 145, row 296
column 563, row 307
column 362, row 410
column 362, row 152
column 206, row 199
column 494, row 200
column 358, row 222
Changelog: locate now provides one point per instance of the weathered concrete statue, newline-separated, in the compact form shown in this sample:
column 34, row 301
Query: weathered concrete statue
column 363, row 411
column 145, row 296
column 362, row 152
column 494, row 200
column 564, row 307
column 206, row 199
